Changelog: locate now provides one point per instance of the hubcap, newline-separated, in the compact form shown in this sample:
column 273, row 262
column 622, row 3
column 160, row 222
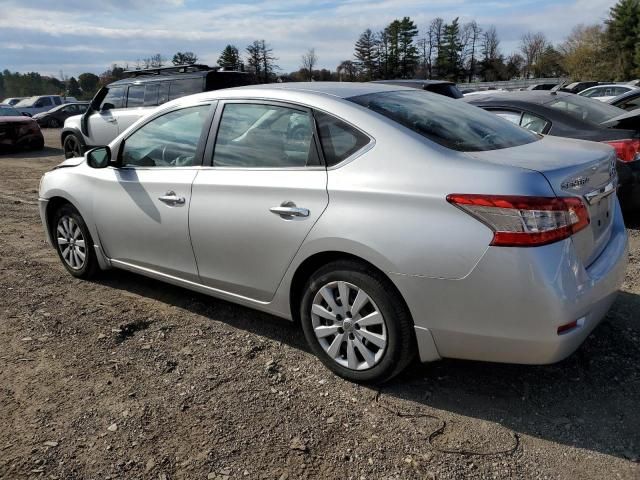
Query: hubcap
column 71, row 242
column 349, row 325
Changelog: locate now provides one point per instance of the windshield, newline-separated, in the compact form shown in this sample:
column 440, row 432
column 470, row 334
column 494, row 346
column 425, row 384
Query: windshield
column 450, row 123
column 585, row 109
column 9, row 112
column 27, row 102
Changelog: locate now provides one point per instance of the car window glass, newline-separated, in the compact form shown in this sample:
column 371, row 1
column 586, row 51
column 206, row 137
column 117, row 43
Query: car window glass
column 185, row 86
column 631, row 104
column 114, row 98
column 264, row 136
column 57, row 100
column 448, row 122
column 339, row 140
column 585, row 110
column 163, row 93
column 135, row 97
column 596, row 92
column 170, row 140
column 9, row 112
column 151, row 94
column 513, row 117
column 533, row 122
column 45, row 101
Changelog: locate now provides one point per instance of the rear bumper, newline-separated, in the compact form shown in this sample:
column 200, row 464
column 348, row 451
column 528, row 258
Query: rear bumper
column 509, row 308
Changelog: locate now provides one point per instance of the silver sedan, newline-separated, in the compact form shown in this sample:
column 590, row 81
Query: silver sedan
column 391, row 223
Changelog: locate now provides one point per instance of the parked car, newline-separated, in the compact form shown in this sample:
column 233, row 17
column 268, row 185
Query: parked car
column 401, row 222
column 542, row 86
column 577, row 87
column 627, row 101
column 606, row 92
column 11, row 101
column 18, row 130
column 572, row 116
column 442, row 87
column 116, row 106
column 38, row 104
column 55, row 117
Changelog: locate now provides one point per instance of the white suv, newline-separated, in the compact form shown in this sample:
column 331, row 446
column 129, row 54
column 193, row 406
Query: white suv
column 41, row 103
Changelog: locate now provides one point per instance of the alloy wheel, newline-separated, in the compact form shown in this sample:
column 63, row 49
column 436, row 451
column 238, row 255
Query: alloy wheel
column 348, row 325
column 71, row 242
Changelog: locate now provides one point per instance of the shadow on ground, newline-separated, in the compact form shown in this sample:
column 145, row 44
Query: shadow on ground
column 589, row 400
column 45, row 152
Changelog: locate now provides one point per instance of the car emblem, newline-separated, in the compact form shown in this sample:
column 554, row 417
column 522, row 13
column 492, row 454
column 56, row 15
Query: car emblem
column 575, row 183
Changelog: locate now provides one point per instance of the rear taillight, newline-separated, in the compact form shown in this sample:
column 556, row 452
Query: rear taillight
column 521, row 221
column 627, row 150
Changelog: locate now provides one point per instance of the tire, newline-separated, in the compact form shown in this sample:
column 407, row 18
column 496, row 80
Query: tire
column 72, row 146
column 64, row 222
column 381, row 362
column 54, row 123
column 38, row 144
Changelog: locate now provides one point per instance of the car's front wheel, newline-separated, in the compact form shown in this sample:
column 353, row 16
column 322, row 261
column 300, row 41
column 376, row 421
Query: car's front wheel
column 356, row 322
column 72, row 146
column 73, row 242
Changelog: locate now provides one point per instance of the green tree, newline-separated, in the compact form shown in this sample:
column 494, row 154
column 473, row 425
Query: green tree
column 584, row 54
column 449, row 60
column 73, row 88
column 230, row 58
column 184, row 58
column 623, row 32
column 367, row 54
column 89, row 84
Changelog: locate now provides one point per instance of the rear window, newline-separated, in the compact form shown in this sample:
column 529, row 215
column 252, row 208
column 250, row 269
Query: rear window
column 445, row 89
column 450, row 123
column 585, row 109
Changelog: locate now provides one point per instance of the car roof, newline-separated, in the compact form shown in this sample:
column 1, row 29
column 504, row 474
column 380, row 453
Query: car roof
column 529, row 96
column 169, row 75
column 335, row 89
column 417, row 81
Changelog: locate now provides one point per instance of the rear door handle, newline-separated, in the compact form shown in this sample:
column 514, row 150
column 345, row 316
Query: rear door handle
column 170, row 198
column 289, row 210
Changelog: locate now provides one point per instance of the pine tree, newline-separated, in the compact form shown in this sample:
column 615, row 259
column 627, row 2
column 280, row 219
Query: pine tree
column 449, row 60
column 230, row 58
column 407, row 50
column 73, row 88
column 367, row 54
column 623, row 30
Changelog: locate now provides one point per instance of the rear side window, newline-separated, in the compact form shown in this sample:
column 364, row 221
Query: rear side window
column 114, row 97
column 163, row 93
column 45, row 101
column 339, row 140
column 57, row 100
column 185, row 86
column 451, row 123
column 151, row 94
column 135, row 98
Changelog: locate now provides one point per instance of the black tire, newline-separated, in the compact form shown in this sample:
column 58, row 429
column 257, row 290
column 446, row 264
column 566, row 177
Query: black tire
column 72, row 146
column 38, row 144
column 401, row 345
column 90, row 265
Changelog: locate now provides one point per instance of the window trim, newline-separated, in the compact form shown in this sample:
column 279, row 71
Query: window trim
column 202, row 141
column 213, row 135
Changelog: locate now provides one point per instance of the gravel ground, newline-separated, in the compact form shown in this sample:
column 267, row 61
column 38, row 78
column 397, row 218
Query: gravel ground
column 129, row 378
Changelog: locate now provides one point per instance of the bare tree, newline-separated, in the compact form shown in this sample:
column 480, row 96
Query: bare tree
column 309, row 60
column 490, row 44
column 154, row 61
column 471, row 36
column 347, row 70
column 434, row 41
column 532, row 45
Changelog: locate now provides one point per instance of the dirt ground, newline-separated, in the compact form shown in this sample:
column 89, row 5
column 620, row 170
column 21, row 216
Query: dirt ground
column 129, row 378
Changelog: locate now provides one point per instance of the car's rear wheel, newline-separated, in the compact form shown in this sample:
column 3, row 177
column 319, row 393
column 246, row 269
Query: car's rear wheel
column 356, row 323
column 72, row 146
column 73, row 242
column 54, row 123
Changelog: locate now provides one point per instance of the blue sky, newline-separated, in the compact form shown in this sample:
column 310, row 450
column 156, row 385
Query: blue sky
column 76, row 36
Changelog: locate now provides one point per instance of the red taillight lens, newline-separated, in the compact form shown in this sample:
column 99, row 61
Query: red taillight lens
column 520, row 221
column 627, row 150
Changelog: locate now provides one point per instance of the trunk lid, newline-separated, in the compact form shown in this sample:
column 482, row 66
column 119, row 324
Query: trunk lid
column 573, row 168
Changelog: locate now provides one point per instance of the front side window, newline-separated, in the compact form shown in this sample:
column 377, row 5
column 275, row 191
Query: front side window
column 339, row 140
column 135, row 98
column 113, row 99
column 170, row 140
column 448, row 122
column 264, row 136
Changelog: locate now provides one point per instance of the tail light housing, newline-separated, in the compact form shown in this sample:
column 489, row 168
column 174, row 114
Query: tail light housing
column 524, row 221
column 627, row 150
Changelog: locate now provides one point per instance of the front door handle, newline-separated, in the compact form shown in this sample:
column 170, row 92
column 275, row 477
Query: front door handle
column 170, row 198
column 288, row 210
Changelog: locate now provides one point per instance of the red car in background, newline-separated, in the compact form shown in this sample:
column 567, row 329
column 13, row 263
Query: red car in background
column 18, row 131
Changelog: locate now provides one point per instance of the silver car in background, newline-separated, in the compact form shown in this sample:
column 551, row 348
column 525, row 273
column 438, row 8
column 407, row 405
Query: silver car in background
column 390, row 222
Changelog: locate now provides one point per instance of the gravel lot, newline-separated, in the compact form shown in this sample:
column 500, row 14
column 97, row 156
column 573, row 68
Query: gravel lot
column 130, row 378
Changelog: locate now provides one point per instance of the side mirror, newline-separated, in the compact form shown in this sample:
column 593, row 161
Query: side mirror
column 99, row 157
column 107, row 106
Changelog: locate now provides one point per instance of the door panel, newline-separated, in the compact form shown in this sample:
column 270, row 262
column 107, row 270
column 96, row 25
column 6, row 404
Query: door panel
column 240, row 245
column 136, row 227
